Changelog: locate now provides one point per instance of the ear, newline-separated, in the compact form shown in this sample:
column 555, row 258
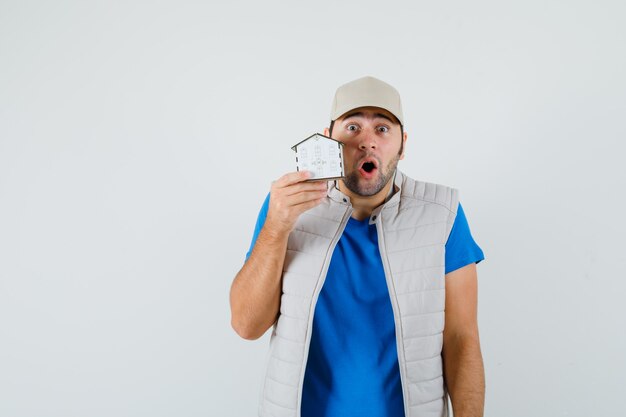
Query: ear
column 404, row 144
column 326, row 132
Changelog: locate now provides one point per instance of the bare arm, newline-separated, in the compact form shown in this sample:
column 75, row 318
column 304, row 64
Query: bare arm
column 463, row 364
column 255, row 292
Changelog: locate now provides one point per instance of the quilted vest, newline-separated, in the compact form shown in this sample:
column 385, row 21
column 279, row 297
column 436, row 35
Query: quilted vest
column 413, row 227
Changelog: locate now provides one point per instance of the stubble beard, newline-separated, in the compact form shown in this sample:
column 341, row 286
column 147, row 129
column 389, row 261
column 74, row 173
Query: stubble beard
column 385, row 174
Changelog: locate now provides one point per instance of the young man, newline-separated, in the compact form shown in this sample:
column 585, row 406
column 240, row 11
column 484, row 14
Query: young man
column 358, row 277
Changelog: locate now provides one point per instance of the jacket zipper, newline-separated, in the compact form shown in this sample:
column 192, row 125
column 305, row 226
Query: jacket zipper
column 396, row 314
column 318, row 288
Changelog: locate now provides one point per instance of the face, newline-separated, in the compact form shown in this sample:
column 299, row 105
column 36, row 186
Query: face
column 373, row 145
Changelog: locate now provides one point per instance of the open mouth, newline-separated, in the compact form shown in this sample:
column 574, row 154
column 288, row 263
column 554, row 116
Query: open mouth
column 368, row 166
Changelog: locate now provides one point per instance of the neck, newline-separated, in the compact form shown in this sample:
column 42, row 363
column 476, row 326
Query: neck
column 363, row 206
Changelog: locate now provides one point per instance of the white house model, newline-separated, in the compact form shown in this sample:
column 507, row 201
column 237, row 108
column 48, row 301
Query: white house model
column 321, row 155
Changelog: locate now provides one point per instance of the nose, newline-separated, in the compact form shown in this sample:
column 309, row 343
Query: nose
column 367, row 142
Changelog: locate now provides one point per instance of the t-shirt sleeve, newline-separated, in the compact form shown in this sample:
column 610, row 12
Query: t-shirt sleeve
column 260, row 221
column 461, row 249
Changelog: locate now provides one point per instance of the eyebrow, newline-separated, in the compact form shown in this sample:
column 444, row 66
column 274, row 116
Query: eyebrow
column 360, row 114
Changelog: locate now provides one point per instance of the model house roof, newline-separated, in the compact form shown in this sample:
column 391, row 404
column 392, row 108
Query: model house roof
column 318, row 135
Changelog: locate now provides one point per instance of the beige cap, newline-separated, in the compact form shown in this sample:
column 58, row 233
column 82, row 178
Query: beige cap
column 366, row 91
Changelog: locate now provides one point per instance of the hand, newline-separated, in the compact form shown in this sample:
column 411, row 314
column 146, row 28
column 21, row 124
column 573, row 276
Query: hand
column 290, row 196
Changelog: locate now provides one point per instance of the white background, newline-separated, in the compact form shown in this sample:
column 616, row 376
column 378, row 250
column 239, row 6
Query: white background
column 138, row 140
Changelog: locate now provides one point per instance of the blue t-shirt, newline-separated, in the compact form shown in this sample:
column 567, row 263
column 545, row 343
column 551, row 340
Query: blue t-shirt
column 352, row 367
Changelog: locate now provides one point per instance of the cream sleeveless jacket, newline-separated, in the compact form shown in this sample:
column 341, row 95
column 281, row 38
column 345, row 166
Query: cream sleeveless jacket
column 413, row 227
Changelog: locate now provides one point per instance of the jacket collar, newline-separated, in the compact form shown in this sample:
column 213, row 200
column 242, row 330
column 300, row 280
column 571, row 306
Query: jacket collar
column 339, row 197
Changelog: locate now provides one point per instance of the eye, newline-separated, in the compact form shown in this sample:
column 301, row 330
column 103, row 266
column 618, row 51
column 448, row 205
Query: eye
column 383, row 129
column 352, row 127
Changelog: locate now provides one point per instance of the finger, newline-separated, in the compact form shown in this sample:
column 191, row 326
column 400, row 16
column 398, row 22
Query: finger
column 301, row 208
column 303, row 187
column 292, row 178
column 304, row 197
